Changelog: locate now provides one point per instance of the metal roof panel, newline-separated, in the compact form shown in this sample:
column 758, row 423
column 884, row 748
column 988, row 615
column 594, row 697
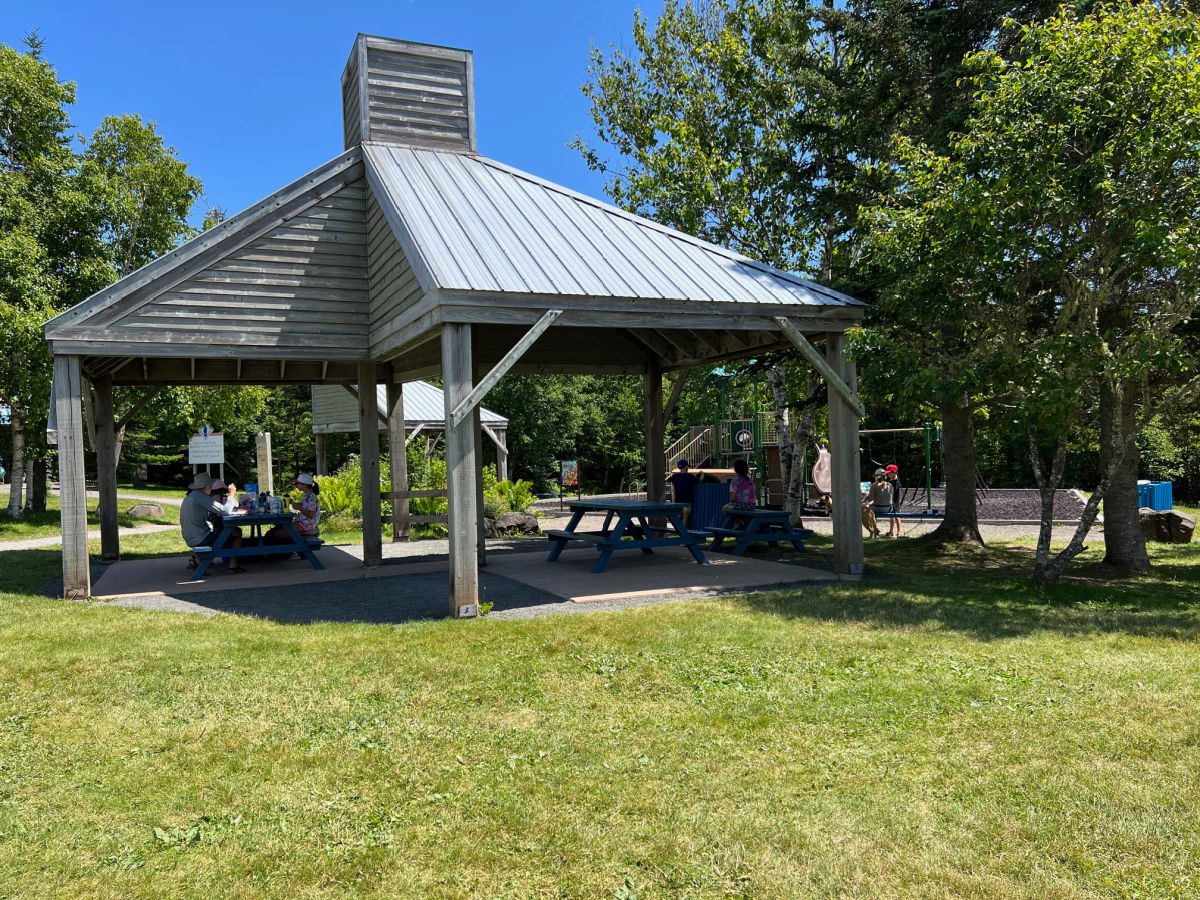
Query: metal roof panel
column 492, row 229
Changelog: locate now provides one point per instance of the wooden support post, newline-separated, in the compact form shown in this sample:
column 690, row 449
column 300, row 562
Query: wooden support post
column 460, row 472
column 510, row 359
column 106, row 470
column 368, row 448
column 319, row 448
column 501, row 453
column 68, row 392
column 652, row 393
column 676, row 392
column 477, row 432
column 846, row 467
column 848, row 392
column 397, row 458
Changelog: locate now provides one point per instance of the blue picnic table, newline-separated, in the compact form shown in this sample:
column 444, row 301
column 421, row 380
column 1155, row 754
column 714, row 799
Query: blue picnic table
column 769, row 525
column 252, row 543
column 633, row 529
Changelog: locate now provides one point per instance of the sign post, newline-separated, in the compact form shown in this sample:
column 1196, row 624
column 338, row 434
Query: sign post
column 262, row 449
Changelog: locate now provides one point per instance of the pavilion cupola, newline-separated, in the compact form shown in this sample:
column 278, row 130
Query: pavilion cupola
column 414, row 95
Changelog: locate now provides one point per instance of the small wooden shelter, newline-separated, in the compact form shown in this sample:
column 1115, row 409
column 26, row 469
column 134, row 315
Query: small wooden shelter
column 410, row 256
column 335, row 411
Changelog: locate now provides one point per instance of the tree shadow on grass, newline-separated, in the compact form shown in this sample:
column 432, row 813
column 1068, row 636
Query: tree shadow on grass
column 986, row 594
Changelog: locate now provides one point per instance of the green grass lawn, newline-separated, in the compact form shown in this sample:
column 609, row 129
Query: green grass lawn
column 37, row 525
column 152, row 490
column 943, row 731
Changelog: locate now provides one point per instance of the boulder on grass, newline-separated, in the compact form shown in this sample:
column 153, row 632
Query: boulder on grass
column 146, row 511
column 1153, row 526
column 517, row 523
column 1167, row 526
column 489, row 528
column 1181, row 527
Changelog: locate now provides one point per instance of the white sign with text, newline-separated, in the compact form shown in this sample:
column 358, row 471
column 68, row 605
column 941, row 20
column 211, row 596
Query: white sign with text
column 206, row 447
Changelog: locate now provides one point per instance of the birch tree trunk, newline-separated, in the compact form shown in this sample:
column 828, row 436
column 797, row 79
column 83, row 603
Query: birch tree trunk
column 17, row 465
column 1047, row 487
column 801, row 435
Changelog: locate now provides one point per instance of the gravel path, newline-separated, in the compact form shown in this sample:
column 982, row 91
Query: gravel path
column 54, row 540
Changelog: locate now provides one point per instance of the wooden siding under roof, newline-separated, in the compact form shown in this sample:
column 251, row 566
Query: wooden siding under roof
column 287, row 278
column 393, row 284
column 306, row 277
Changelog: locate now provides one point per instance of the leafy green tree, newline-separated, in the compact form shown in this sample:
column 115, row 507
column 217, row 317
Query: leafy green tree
column 1064, row 216
column 142, row 191
column 39, row 228
column 762, row 125
column 70, row 223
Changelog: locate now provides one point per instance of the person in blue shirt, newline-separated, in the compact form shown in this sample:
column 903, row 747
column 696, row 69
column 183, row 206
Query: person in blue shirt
column 683, row 487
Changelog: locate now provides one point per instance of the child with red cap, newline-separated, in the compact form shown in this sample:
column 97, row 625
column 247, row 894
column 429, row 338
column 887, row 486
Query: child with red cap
column 892, row 473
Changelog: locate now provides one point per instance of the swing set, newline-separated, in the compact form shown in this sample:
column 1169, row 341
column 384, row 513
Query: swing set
column 930, row 433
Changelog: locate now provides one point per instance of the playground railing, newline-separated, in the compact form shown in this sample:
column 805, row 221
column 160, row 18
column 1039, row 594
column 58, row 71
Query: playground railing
column 691, row 447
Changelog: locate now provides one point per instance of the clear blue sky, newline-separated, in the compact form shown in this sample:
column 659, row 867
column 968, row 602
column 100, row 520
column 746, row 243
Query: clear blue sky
column 248, row 92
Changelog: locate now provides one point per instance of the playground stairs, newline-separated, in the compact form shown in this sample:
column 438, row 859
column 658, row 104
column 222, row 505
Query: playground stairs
column 696, row 446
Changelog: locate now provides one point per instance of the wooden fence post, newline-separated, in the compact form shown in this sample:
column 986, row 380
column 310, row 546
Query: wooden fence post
column 652, row 393
column 397, row 458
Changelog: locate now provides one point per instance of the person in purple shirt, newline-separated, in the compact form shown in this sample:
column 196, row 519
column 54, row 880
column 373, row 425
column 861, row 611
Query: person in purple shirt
column 742, row 493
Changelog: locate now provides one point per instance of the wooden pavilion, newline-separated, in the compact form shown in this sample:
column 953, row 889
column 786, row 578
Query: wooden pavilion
column 410, row 256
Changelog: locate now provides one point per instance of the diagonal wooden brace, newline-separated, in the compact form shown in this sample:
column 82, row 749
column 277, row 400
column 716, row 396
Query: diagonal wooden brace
column 817, row 361
column 509, row 359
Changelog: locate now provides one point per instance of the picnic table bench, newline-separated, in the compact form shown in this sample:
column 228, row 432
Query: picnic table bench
column 768, row 525
column 633, row 529
column 255, row 522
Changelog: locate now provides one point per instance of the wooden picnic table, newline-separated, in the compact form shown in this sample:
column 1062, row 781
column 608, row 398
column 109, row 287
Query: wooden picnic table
column 769, row 525
column 633, row 529
column 256, row 522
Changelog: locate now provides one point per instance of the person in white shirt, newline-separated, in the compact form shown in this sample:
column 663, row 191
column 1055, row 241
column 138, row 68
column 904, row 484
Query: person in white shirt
column 196, row 515
column 226, row 496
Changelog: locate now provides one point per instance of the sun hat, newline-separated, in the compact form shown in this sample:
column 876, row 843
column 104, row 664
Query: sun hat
column 201, row 481
column 219, row 485
column 893, row 468
column 303, row 478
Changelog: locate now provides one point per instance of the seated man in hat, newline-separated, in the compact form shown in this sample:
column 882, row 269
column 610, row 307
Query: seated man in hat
column 196, row 520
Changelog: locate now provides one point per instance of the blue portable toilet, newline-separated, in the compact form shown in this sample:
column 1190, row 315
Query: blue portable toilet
column 1156, row 495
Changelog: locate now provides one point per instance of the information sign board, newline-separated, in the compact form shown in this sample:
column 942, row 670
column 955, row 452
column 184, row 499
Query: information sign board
column 206, row 447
